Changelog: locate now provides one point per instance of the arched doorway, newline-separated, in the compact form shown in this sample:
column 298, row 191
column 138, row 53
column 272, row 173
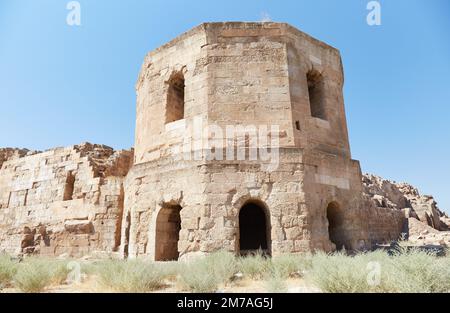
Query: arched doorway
column 168, row 225
column 335, row 225
column 175, row 98
column 254, row 229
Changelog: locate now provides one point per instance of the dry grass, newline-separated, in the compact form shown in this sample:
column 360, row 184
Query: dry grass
column 404, row 271
column 276, row 283
column 35, row 274
column 418, row 271
column 8, row 269
column 208, row 273
column 255, row 266
column 339, row 273
column 291, row 265
column 130, row 275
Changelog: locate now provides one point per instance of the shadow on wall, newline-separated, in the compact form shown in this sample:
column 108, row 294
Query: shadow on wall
column 336, row 229
column 168, row 226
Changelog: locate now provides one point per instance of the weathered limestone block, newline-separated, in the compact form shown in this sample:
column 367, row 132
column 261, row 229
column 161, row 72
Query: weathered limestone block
column 402, row 196
column 242, row 74
column 28, row 238
column 59, row 192
column 79, row 226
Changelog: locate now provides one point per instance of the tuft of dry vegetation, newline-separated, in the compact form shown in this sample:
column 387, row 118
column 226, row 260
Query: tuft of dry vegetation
column 130, row 275
column 402, row 271
column 208, row 273
column 8, row 269
column 291, row 265
column 276, row 282
column 35, row 274
column 256, row 266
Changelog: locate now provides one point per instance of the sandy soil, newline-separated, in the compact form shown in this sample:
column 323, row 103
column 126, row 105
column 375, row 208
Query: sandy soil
column 91, row 285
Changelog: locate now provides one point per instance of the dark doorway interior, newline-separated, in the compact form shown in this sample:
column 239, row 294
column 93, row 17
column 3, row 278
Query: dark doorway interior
column 335, row 225
column 168, row 225
column 253, row 229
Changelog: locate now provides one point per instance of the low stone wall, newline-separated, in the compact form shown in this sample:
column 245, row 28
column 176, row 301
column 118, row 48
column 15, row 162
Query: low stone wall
column 402, row 196
column 62, row 201
column 385, row 224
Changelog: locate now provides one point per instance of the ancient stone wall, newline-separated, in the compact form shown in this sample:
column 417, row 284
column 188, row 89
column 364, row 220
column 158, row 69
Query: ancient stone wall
column 384, row 224
column 244, row 74
column 62, row 201
column 153, row 132
column 179, row 196
column 398, row 210
column 210, row 195
column 13, row 153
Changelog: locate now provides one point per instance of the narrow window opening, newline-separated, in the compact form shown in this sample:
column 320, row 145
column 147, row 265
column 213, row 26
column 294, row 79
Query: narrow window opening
column 254, row 231
column 168, row 226
column 119, row 221
column 175, row 98
column 69, row 186
column 316, row 94
column 336, row 231
column 127, row 234
column 297, row 125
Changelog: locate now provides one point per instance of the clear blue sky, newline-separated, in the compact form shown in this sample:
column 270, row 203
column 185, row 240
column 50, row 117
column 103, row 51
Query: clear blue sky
column 62, row 85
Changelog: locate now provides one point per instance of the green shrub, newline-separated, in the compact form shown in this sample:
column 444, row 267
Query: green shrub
column 405, row 271
column 90, row 267
column 338, row 273
column 288, row 265
column 198, row 276
column 8, row 269
column 255, row 266
column 418, row 271
column 60, row 271
column 170, row 269
column 34, row 275
column 276, row 282
column 206, row 274
column 130, row 275
column 224, row 265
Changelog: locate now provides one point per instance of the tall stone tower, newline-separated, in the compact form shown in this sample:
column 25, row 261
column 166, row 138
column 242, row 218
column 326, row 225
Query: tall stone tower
column 301, row 192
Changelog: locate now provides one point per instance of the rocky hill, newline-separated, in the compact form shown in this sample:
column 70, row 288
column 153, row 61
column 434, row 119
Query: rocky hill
column 427, row 224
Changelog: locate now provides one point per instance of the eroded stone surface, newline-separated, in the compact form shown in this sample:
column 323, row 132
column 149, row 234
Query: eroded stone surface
column 424, row 222
column 64, row 200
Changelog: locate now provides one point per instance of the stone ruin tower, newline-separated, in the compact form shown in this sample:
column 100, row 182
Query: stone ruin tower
column 180, row 204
